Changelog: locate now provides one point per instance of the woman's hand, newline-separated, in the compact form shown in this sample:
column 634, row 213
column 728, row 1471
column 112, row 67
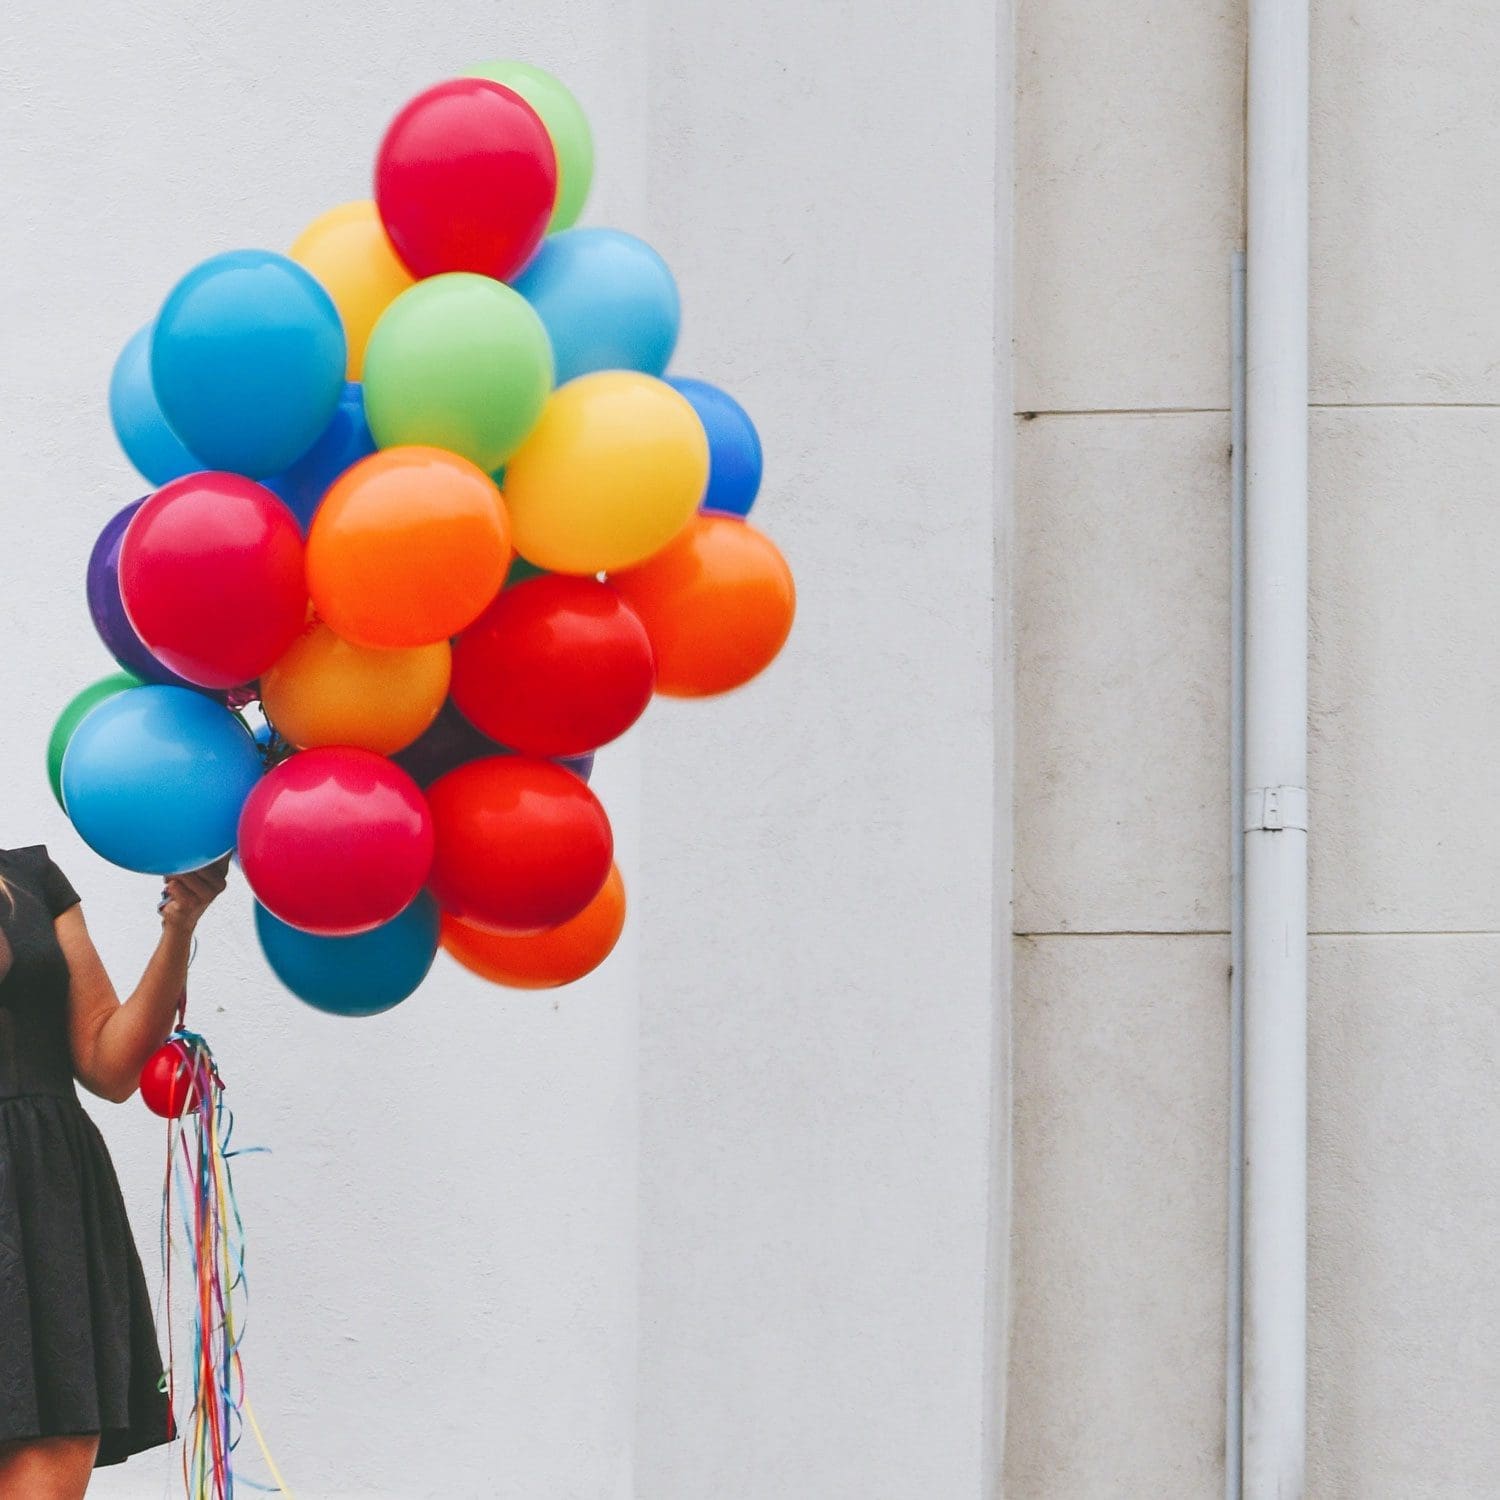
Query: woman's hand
column 186, row 897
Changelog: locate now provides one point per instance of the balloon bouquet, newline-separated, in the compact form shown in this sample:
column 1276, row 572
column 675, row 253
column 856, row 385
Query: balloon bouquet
column 424, row 492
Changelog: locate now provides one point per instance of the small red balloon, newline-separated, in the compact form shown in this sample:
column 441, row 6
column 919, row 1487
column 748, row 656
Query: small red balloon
column 212, row 579
column 168, row 1087
column 555, row 666
column 336, row 840
column 466, row 179
column 522, row 845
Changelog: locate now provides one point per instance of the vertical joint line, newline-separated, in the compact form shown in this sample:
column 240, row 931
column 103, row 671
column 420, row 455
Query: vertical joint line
column 1235, row 1257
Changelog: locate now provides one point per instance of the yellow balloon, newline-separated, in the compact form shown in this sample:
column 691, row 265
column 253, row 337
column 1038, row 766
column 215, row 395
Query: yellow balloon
column 328, row 691
column 611, row 473
column 347, row 250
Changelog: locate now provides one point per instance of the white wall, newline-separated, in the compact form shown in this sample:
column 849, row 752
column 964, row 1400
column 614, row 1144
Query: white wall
column 443, row 1258
column 445, row 1274
column 817, row 951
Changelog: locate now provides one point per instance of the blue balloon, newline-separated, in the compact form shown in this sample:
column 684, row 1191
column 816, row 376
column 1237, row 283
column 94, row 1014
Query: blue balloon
column 353, row 976
column 149, row 443
column 607, row 300
column 155, row 777
column 734, row 457
column 345, row 441
column 247, row 360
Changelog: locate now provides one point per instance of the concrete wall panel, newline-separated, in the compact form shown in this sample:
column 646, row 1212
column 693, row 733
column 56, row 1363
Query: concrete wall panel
column 1122, row 673
column 1127, row 201
column 1117, row 1362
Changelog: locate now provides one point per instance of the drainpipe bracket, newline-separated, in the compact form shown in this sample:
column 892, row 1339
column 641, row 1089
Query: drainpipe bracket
column 1271, row 809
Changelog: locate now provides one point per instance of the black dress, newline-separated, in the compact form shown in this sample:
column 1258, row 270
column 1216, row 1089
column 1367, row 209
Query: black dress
column 78, row 1350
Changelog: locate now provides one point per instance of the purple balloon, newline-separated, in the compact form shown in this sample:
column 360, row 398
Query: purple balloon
column 108, row 608
column 582, row 766
column 452, row 741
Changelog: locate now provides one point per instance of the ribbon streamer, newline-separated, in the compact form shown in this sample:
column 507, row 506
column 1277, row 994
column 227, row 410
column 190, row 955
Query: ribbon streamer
column 200, row 1186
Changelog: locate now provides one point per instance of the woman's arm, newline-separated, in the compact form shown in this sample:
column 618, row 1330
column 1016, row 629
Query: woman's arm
column 111, row 1040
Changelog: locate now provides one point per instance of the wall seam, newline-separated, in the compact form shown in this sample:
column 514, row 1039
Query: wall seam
column 998, row 1271
column 1223, row 411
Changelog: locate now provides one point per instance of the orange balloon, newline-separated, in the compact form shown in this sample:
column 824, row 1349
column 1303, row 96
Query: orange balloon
column 328, row 691
column 543, row 960
column 347, row 250
column 408, row 547
column 717, row 603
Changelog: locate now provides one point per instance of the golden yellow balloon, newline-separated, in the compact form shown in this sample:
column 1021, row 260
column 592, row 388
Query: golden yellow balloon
column 328, row 691
column 347, row 250
column 611, row 473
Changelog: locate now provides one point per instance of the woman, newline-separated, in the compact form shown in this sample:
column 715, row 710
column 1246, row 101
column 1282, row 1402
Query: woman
column 80, row 1369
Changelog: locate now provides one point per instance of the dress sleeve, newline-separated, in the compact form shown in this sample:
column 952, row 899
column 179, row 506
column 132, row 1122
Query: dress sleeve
column 57, row 890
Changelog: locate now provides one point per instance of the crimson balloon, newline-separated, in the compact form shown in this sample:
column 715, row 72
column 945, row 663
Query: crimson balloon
column 555, row 666
column 522, row 845
column 466, row 179
column 212, row 580
column 168, row 1085
column 336, row 840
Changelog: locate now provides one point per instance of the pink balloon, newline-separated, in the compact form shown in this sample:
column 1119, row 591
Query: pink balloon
column 336, row 840
column 465, row 180
column 211, row 576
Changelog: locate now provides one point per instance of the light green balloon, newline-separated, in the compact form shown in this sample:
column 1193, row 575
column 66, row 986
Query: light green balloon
column 73, row 715
column 567, row 125
column 458, row 362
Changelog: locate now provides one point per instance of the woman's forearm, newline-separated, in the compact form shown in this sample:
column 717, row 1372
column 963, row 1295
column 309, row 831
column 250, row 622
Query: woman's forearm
column 138, row 1026
column 111, row 1039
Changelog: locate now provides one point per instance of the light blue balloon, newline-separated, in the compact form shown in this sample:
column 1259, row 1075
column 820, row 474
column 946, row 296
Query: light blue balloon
column 149, row 443
column 344, row 442
column 155, row 777
column 734, row 456
column 247, row 361
column 353, row 976
column 607, row 300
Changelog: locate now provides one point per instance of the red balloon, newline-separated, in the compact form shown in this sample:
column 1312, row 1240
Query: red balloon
column 522, row 845
column 336, row 840
column 466, row 179
column 212, row 580
column 168, row 1087
column 555, row 666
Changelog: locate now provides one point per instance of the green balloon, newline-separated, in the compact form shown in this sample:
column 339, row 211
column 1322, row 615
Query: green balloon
column 458, row 362
column 73, row 715
column 567, row 125
column 521, row 570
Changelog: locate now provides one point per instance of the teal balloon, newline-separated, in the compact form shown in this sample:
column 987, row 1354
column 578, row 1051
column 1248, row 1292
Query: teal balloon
column 154, row 779
column 149, row 443
column 607, row 301
column 247, row 362
column 353, row 976
column 520, row 571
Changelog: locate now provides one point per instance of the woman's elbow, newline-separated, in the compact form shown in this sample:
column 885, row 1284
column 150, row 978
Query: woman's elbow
column 121, row 1091
column 115, row 1089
